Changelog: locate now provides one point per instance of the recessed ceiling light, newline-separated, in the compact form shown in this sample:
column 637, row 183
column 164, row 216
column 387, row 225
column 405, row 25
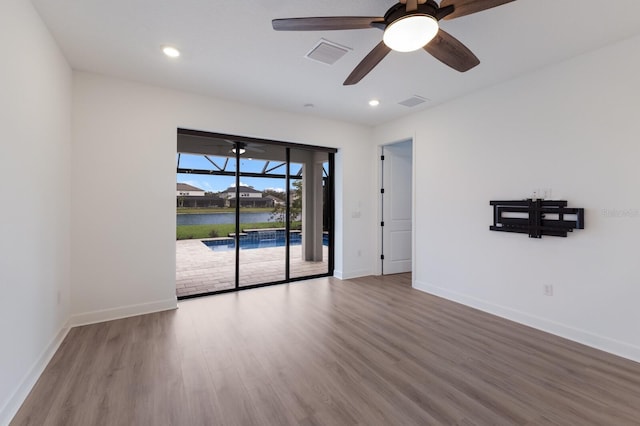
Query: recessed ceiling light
column 171, row 52
column 374, row 102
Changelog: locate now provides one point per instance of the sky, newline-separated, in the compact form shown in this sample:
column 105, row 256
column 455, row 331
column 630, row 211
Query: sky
column 220, row 183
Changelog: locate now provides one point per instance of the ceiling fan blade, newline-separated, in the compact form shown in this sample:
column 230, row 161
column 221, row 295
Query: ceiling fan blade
column 467, row 7
column 367, row 64
column 326, row 23
column 450, row 51
column 254, row 147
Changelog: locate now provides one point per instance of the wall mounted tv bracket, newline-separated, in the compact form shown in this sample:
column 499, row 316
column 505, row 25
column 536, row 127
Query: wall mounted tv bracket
column 536, row 217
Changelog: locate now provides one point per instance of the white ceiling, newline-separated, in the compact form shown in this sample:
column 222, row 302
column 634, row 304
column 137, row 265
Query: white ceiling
column 230, row 51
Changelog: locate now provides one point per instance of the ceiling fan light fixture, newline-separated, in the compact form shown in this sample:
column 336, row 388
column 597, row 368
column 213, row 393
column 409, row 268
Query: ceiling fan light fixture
column 241, row 150
column 410, row 32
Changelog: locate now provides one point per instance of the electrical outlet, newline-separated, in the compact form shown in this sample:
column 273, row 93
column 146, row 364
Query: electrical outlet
column 548, row 290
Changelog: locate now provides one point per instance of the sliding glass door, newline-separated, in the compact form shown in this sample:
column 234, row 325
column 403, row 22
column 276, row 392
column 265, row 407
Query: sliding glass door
column 268, row 216
column 309, row 224
column 262, row 257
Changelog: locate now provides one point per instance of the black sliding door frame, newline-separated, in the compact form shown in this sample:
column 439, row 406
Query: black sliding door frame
column 287, row 215
column 238, row 143
column 236, row 234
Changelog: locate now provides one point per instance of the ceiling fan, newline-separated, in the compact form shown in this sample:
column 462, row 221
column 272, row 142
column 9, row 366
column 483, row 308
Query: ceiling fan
column 244, row 146
column 408, row 25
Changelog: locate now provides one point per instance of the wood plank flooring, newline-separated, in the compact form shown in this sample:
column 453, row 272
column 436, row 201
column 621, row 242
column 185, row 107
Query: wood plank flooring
column 369, row 351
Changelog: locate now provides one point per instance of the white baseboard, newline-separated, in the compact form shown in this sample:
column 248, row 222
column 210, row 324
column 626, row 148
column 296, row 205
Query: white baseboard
column 122, row 312
column 584, row 337
column 13, row 404
column 11, row 407
column 342, row 275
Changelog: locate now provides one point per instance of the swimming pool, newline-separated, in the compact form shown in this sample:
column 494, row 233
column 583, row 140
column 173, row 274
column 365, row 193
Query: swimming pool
column 259, row 239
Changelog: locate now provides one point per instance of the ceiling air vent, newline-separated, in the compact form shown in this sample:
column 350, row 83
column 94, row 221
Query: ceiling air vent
column 413, row 101
column 327, row 52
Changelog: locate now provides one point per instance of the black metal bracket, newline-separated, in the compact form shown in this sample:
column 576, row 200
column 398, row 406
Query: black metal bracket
column 536, row 217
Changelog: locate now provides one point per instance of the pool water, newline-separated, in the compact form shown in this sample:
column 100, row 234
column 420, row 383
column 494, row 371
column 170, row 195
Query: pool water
column 259, row 239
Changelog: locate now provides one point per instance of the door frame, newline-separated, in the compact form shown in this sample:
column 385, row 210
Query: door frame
column 380, row 195
column 330, row 201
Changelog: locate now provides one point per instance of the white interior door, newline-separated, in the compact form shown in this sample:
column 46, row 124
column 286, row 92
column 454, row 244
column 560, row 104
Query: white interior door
column 396, row 207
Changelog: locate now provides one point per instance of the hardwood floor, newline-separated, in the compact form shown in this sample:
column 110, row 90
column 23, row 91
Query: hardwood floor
column 369, row 351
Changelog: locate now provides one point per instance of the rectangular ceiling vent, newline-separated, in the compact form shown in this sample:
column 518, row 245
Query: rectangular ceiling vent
column 413, row 101
column 327, row 52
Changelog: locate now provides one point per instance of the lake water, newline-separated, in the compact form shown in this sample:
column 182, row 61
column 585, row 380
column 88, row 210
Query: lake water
column 218, row 218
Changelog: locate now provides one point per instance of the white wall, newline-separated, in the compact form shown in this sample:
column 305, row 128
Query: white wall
column 35, row 108
column 573, row 128
column 124, row 136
